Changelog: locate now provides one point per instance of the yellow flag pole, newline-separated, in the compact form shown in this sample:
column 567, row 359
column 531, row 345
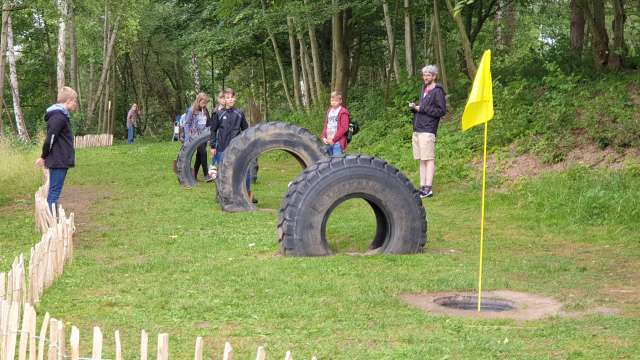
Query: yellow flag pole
column 484, row 188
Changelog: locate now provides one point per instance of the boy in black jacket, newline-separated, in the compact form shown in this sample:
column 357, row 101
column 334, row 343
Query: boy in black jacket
column 58, row 154
column 226, row 125
column 427, row 113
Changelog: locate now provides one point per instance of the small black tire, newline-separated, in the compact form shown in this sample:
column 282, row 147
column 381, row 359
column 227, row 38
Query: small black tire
column 183, row 162
column 400, row 216
column 243, row 149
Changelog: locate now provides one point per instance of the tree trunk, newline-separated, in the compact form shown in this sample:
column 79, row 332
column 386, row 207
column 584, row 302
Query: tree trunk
column 618, row 50
column 391, row 39
column 278, row 55
column 294, row 63
column 340, row 34
column 464, row 40
column 113, row 108
column 23, row 134
column 577, row 28
column 304, row 57
column 408, row 39
column 196, row 72
column 103, row 75
column 334, row 21
column 265, row 88
column 62, row 7
column 440, row 46
column 315, row 55
column 509, row 19
column 306, row 82
column 73, row 66
column 595, row 16
column 3, row 49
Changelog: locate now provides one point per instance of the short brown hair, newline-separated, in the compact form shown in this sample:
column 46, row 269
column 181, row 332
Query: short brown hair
column 228, row 91
column 336, row 94
column 65, row 94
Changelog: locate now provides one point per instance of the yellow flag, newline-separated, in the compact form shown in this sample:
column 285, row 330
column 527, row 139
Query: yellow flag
column 479, row 108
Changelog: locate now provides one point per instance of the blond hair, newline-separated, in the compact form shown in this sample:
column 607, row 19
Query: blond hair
column 336, row 94
column 199, row 97
column 65, row 94
column 228, row 91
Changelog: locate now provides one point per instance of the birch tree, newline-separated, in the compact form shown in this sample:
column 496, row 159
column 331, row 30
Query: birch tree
column 23, row 134
column 294, row 63
column 391, row 39
column 62, row 27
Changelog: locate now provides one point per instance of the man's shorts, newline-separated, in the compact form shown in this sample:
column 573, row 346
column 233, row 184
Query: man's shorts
column 424, row 146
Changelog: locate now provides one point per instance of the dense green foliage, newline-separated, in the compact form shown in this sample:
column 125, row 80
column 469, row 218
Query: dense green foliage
column 545, row 90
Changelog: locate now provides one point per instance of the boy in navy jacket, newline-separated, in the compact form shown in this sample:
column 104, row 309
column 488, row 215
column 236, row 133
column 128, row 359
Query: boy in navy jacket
column 228, row 124
column 58, row 154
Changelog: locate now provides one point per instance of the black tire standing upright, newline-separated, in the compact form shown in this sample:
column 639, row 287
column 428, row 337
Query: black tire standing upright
column 246, row 147
column 400, row 215
column 183, row 163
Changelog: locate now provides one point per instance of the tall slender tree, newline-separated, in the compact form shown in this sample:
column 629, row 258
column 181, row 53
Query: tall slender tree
column 6, row 10
column 23, row 134
column 408, row 39
column 294, row 63
column 315, row 55
column 62, row 28
column 391, row 39
column 278, row 55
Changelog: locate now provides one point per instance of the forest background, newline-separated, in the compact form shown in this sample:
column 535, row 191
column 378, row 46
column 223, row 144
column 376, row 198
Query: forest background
column 562, row 68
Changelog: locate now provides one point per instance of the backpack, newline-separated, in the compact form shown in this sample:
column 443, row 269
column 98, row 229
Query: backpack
column 353, row 129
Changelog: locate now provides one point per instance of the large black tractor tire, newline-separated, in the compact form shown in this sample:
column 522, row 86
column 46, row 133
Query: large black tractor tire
column 237, row 159
column 400, row 217
column 183, row 163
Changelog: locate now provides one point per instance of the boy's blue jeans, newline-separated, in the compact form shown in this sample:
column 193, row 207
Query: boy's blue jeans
column 334, row 150
column 216, row 160
column 131, row 130
column 56, row 181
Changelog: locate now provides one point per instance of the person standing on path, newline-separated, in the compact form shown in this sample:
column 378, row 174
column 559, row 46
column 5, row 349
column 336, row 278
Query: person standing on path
column 58, row 154
column 132, row 123
column 195, row 123
column 426, row 118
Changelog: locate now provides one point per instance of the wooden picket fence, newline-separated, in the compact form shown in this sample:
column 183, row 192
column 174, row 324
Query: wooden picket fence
column 19, row 336
column 20, row 289
column 88, row 141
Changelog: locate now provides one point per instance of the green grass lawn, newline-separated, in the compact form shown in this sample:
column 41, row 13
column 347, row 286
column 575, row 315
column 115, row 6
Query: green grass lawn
column 152, row 255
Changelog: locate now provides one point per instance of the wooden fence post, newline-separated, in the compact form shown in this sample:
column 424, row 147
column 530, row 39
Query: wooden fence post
column 144, row 345
column 75, row 343
column 118, row 346
column 163, row 347
column 198, row 352
column 96, row 352
column 24, row 335
column 43, row 334
column 261, row 353
column 53, row 339
column 228, row 351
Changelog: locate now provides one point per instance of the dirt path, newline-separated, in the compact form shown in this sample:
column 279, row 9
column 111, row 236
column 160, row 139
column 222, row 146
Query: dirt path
column 80, row 199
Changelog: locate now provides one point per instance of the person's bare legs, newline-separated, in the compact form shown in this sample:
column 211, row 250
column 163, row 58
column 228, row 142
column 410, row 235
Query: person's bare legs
column 429, row 172
column 423, row 172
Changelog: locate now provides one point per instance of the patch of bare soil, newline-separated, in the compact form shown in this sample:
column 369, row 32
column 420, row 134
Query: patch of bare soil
column 525, row 306
column 590, row 155
column 79, row 199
